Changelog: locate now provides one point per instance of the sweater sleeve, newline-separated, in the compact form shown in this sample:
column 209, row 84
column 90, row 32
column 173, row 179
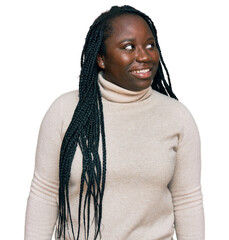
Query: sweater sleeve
column 42, row 208
column 185, row 186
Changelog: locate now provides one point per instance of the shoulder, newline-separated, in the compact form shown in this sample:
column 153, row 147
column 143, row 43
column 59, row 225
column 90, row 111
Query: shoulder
column 59, row 114
column 169, row 104
column 65, row 102
column 174, row 110
column 67, row 98
column 62, row 107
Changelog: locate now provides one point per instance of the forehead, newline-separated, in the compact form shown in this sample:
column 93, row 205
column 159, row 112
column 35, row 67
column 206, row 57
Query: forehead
column 129, row 25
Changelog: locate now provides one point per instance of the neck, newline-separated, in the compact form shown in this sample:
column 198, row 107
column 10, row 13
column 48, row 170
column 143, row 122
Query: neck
column 114, row 93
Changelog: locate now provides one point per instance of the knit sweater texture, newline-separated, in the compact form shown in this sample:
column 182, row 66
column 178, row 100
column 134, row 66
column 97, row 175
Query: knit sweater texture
column 153, row 168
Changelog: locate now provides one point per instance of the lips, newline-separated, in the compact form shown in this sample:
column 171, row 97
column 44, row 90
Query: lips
column 142, row 73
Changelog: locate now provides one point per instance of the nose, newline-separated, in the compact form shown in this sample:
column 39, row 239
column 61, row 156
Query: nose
column 142, row 55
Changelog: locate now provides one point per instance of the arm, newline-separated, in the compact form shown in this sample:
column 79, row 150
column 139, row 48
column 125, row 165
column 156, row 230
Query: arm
column 42, row 208
column 185, row 186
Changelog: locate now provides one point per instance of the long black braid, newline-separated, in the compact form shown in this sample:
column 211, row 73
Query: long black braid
column 87, row 126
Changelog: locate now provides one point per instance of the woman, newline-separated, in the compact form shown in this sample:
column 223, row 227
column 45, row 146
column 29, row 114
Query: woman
column 129, row 165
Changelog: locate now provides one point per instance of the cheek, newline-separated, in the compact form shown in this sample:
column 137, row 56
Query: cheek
column 126, row 59
column 122, row 60
column 155, row 56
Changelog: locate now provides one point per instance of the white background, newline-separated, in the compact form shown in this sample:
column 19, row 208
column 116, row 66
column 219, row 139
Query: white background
column 40, row 47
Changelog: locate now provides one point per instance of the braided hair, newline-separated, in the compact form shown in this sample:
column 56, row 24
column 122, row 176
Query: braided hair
column 87, row 127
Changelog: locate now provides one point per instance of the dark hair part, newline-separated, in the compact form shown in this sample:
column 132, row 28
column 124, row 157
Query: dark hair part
column 87, row 126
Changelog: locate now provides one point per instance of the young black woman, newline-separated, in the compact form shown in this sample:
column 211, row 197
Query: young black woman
column 119, row 158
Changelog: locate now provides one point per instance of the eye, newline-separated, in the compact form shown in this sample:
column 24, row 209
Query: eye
column 129, row 47
column 150, row 45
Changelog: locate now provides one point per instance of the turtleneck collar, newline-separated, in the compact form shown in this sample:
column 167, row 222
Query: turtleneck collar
column 113, row 93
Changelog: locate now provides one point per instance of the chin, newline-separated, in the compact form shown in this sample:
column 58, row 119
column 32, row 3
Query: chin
column 143, row 85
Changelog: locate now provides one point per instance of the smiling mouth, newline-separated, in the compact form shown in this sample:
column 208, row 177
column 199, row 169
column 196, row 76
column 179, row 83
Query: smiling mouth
column 143, row 73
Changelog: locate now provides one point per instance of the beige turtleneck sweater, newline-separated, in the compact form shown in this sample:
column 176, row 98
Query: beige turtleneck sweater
column 153, row 168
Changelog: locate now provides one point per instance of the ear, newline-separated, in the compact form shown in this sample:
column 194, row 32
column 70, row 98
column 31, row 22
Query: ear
column 100, row 61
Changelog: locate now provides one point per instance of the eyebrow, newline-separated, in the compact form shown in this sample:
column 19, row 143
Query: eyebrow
column 132, row 40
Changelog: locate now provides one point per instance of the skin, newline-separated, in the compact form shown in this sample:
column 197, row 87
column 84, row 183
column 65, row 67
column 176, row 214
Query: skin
column 130, row 47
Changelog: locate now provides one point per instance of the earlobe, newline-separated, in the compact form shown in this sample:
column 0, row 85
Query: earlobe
column 100, row 62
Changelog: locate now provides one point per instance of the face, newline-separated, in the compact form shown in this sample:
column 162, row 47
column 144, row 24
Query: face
column 131, row 58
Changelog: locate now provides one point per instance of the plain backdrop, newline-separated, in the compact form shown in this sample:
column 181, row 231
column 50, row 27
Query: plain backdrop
column 40, row 48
